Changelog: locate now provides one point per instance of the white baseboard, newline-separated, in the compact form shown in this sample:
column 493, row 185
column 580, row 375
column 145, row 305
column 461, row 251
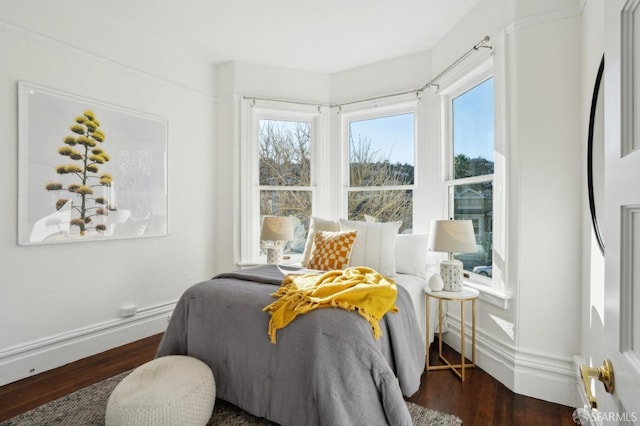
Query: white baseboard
column 524, row 372
column 19, row 362
column 493, row 356
column 545, row 377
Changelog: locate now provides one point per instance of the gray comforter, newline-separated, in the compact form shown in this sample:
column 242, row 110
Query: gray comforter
column 326, row 367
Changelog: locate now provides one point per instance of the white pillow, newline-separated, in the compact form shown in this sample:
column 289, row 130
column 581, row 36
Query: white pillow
column 374, row 246
column 317, row 224
column 411, row 254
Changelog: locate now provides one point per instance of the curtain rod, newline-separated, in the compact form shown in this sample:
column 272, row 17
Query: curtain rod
column 475, row 48
column 480, row 45
column 287, row 101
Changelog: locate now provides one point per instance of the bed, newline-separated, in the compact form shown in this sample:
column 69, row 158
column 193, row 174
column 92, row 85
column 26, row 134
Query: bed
column 326, row 367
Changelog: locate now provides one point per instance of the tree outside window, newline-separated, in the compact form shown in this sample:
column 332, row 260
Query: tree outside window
column 285, row 175
column 381, row 169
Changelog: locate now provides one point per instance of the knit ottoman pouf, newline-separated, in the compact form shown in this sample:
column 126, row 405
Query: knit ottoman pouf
column 170, row 390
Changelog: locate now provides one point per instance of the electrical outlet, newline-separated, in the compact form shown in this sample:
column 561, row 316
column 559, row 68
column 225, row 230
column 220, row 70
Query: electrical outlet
column 128, row 311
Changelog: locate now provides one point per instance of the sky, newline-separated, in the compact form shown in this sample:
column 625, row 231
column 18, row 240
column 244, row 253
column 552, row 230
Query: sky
column 393, row 136
column 473, row 130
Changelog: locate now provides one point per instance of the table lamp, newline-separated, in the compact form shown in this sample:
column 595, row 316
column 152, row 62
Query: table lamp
column 452, row 236
column 279, row 230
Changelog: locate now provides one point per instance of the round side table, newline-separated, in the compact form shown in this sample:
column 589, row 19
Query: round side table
column 466, row 295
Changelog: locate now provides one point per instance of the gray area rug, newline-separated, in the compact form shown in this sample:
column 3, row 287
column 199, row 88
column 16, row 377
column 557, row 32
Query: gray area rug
column 87, row 407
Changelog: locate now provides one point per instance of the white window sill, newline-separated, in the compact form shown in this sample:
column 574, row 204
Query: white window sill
column 490, row 295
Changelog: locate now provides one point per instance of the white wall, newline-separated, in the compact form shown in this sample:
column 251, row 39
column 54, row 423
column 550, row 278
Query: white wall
column 396, row 75
column 549, row 203
column 60, row 302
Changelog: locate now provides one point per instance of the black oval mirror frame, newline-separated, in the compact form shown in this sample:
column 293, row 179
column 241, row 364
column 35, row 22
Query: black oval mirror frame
column 590, row 153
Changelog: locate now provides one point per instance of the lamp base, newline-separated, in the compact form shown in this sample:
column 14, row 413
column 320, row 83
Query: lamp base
column 274, row 255
column 451, row 273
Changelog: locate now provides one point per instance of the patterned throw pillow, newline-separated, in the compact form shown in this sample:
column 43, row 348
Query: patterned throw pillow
column 317, row 224
column 331, row 250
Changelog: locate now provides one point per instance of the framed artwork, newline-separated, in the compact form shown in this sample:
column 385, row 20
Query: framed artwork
column 87, row 170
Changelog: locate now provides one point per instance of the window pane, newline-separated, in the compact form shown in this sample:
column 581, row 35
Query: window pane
column 296, row 204
column 475, row 202
column 381, row 151
column 285, row 153
column 383, row 206
column 473, row 132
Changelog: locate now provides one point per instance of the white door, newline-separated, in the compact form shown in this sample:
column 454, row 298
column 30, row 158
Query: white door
column 622, row 212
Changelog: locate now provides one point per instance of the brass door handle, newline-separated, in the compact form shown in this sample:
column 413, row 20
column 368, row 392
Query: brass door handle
column 603, row 373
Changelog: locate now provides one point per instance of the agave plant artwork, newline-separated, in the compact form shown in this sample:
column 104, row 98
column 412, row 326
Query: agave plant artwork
column 86, row 157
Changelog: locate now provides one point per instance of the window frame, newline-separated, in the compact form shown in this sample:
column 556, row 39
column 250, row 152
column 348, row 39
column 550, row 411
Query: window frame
column 369, row 110
column 457, row 83
column 253, row 111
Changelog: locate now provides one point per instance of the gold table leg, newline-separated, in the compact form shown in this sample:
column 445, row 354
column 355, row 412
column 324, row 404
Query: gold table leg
column 458, row 369
column 428, row 325
column 462, row 357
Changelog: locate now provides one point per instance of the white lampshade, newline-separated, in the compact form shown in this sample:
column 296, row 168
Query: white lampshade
column 276, row 228
column 452, row 236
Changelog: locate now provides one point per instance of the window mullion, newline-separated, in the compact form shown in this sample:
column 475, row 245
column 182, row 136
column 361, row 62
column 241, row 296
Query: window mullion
column 381, row 188
column 469, row 180
column 285, row 188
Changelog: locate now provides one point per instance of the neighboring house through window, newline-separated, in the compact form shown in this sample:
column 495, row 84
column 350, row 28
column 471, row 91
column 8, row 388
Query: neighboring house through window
column 471, row 186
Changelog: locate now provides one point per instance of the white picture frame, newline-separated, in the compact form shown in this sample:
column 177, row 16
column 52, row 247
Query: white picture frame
column 110, row 185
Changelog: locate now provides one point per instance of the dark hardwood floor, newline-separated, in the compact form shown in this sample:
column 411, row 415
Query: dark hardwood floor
column 480, row 400
column 26, row 394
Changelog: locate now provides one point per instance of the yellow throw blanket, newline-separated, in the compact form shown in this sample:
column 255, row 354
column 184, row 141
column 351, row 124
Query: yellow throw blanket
column 361, row 289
